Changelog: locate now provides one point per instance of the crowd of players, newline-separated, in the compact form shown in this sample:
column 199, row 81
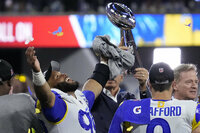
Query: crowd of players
column 169, row 99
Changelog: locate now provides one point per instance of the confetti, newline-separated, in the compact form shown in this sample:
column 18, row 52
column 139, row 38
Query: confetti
column 30, row 39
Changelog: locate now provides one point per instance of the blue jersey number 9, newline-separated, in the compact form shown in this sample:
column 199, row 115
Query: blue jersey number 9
column 158, row 121
column 86, row 126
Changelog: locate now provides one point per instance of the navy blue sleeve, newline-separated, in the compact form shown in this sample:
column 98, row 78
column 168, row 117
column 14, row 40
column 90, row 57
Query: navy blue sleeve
column 145, row 94
column 58, row 111
column 90, row 97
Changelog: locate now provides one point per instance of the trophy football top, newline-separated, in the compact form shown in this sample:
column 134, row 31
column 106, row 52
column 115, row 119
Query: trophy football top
column 120, row 15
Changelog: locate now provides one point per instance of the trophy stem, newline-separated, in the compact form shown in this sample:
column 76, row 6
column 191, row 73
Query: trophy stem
column 130, row 42
column 122, row 35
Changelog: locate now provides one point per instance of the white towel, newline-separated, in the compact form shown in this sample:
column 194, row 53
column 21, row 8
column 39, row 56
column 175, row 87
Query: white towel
column 118, row 59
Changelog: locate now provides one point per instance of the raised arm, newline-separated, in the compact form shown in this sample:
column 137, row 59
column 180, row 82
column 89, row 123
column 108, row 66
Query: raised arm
column 101, row 73
column 142, row 75
column 41, row 87
column 98, row 79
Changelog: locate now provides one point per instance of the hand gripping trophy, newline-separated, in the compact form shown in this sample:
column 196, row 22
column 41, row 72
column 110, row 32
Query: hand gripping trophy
column 122, row 17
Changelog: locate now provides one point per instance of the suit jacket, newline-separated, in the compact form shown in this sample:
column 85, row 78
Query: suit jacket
column 104, row 109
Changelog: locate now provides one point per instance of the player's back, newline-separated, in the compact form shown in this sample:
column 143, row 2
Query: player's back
column 17, row 114
column 173, row 116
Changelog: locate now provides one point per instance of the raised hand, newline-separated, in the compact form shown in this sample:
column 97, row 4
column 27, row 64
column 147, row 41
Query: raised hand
column 32, row 59
column 142, row 75
column 121, row 44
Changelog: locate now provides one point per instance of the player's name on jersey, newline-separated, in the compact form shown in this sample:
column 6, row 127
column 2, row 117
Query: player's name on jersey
column 165, row 111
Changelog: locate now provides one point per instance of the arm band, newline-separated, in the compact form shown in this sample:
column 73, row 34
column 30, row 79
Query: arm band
column 38, row 78
column 101, row 74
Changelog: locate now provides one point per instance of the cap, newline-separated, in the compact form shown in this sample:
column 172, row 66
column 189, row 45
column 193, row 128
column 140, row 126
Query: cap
column 161, row 73
column 54, row 66
column 6, row 70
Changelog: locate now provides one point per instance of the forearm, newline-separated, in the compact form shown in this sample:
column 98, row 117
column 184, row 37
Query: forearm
column 145, row 93
column 41, row 87
column 42, row 90
column 143, row 86
column 94, row 86
column 98, row 79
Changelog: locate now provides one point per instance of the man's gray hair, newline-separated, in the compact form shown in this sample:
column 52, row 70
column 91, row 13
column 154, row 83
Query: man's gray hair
column 183, row 68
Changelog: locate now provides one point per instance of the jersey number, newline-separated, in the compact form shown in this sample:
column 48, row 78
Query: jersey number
column 158, row 121
column 86, row 115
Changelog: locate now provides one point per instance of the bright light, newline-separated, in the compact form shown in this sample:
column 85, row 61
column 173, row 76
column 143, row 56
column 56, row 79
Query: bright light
column 171, row 56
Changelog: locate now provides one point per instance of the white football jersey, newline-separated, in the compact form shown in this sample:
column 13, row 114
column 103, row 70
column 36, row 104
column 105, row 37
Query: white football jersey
column 173, row 116
column 77, row 117
column 157, row 116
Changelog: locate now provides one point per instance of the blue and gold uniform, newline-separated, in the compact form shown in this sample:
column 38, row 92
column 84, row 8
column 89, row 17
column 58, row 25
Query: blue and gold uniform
column 67, row 111
column 158, row 116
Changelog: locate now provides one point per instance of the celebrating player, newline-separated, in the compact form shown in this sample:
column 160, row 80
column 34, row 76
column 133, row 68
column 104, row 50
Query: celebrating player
column 161, row 114
column 64, row 109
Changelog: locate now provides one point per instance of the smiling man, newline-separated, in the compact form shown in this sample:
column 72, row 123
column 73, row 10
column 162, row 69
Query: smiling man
column 61, row 105
column 185, row 82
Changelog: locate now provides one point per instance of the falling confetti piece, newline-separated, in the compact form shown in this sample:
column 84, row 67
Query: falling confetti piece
column 30, row 39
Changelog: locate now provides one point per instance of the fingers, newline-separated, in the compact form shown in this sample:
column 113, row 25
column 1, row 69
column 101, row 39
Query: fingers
column 121, row 42
column 32, row 59
column 30, row 55
column 141, row 74
column 123, row 47
column 29, row 51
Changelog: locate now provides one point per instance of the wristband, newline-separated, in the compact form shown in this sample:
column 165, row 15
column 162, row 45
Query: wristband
column 38, row 78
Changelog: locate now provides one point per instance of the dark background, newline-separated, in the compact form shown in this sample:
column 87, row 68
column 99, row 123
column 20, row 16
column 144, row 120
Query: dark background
column 17, row 56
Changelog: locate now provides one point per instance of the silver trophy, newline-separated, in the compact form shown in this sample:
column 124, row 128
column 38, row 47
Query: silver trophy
column 122, row 17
